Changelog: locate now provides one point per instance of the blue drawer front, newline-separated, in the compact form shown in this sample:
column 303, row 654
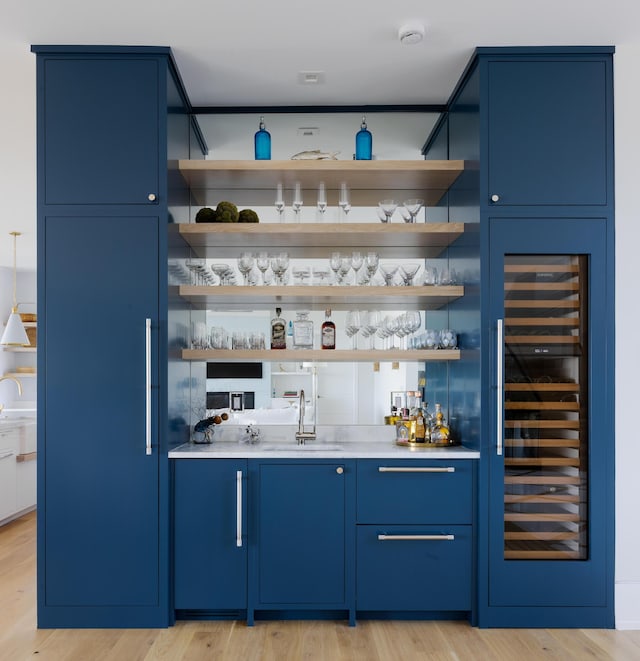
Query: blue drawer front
column 415, row 491
column 414, row 574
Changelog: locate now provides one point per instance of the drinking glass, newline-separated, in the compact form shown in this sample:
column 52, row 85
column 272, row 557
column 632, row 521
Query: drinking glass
column 301, row 274
column 279, row 265
column 413, row 321
column 448, row 339
column 345, row 267
column 334, row 263
column 388, row 272
column 408, row 272
column 372, row 323
column 223, row 271
column 279, row 203
column 297, row 201
column 430, row 275
column 357, row 260
column 432, row 339
column 413, row 206
column 245, row 264
column 352, row 326
column 322, row 200
column 388, row 208
column 371, row 264
column 262, row 262
column 343, row 202
column 320, row 275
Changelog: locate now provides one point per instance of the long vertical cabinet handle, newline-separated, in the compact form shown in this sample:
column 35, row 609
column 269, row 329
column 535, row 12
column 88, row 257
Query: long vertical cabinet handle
column 500, row 386
column 238, row 509
column 147, row 351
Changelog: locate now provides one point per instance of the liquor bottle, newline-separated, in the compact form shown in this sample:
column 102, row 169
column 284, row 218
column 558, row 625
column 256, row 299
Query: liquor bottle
column 278, row 329
column 289, row 338
column 262, row 143
column 302, row 331
column 328, row 332
column 364, row 143
column 440, row 431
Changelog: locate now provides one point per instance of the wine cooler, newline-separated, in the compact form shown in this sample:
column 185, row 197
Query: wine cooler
column 550, row 431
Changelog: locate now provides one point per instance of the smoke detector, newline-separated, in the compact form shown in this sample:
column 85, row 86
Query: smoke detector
column 411, row 33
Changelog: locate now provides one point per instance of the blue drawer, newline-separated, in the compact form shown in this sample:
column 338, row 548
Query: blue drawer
column 414, row 491
column 419, row 568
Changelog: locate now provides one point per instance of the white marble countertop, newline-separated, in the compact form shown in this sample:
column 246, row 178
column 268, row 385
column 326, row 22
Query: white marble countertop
column 317, row 450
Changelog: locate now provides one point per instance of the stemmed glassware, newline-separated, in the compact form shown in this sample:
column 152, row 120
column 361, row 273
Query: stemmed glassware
column 343, row 201
column 200, row 273
column 334, row 263
column 279, row 265
column 352, row 326
column 224, row 273
column 370, row 325
column 408, row 272
column 322, row 200
column 413, row 206
column 357, row 261
column 371, row 262
column 262, row 262
column 279, row 203
column 388, row 272
column 297, row 201
column 388, row 208
column 245, row 264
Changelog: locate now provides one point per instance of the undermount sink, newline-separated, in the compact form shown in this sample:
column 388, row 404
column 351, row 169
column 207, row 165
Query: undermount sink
column 293, row 447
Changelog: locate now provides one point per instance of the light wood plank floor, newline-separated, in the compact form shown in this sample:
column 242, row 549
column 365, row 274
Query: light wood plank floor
column 273, row 641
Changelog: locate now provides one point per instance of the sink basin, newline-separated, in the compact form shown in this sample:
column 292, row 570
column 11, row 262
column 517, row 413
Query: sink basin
column 293, row 447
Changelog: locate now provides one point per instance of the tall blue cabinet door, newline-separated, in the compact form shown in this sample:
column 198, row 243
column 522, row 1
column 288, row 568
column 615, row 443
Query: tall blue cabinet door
column 99, row 494
column 210, row 537
column 550, row 455
column 549, row 131
column 101, row 129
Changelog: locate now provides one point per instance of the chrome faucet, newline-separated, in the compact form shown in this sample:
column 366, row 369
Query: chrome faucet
column 301, row 434
column 11, row 378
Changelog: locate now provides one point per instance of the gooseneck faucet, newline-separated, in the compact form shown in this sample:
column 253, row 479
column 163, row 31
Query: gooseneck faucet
column 301, row 434
column 18, row 384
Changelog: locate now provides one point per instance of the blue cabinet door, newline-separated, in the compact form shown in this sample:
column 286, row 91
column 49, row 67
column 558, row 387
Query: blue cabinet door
column 549, row 131
column 303, row 534
column 210, row 540
column 98, row 502
column 550, row 433
column 100, row 129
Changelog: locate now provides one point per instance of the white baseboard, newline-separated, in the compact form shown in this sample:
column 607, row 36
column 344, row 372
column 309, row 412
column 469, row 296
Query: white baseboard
column 628, row 605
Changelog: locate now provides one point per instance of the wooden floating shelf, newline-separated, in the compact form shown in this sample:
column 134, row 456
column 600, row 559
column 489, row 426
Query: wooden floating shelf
column 542, row 406
column 542, row 387
column 318, row 240
column 541, row 555
column 294, row 297
column 320, row 355
column 369, row 181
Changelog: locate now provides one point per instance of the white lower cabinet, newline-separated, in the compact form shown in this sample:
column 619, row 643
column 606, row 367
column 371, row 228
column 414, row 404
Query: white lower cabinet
column 17, row 470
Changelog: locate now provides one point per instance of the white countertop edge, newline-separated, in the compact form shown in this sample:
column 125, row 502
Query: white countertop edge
column 355, row 450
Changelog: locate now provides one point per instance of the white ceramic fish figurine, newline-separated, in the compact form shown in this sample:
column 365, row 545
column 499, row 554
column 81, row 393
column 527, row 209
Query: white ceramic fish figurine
column 315, row 155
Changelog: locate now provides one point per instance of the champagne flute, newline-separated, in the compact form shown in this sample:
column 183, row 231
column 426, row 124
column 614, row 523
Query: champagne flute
column 322, row 200
column 297, row 201
column 279, row 204
column 343, row 202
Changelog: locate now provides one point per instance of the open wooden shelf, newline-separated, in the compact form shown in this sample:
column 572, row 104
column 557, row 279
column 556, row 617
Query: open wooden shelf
column 296, row 297
column 369, row 181
column 320, row 355
column 318, row 240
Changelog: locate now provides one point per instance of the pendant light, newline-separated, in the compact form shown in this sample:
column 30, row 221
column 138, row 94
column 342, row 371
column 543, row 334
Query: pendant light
column 14, row 334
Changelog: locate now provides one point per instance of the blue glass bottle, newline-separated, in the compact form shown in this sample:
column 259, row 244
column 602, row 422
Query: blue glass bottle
column 364, row 142
column 262, row 143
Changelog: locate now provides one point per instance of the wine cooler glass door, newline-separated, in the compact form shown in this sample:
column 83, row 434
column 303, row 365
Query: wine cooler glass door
column 547, row 291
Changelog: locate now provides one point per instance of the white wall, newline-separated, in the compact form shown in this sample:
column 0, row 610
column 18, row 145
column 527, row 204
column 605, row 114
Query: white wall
column 627, row 432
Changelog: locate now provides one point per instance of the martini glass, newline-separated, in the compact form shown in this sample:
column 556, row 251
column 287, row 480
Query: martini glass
column 388, row 272
column 408, row 272
column 388, row 208
column 413, row 206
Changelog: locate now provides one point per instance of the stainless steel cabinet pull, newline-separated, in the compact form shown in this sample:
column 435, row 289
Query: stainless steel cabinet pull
column 428, row 538
column 238, row 509
column 148, row 385
column 500, row 386
column 416, row 469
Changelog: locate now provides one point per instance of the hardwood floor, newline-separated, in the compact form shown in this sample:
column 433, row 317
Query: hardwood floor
column 273, row 641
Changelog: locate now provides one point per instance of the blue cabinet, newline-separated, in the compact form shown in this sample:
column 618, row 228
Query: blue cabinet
column 548, row 129
column 210, row 535
column 103, row 506
column 302, row 529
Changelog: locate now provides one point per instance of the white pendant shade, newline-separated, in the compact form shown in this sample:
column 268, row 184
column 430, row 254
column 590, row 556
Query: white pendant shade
column 14, row 333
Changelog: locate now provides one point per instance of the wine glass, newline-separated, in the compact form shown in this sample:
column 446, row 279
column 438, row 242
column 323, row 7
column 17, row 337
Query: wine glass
column 334, row 263
column 388, row 272
column 388, row 208
column 322, row 199
column 279, row 265
column 297, row 201
column 345, row 267
column 371, row 323
column 413, row 206
column 262, row 262
column 245, row 264
column 408, row 272
column 352, row 325
column 372, row 261
column 357, row 260
column 279, row 203
column 344, row 202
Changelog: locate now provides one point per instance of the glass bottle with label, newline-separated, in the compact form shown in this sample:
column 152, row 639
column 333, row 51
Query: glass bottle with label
column 262, row 143
column 328, row 334
column 278, row 330
column 440, row 431
column 302, row 331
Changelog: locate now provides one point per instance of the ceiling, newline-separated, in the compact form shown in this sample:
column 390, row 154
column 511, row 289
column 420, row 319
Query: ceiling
column 240, row 52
